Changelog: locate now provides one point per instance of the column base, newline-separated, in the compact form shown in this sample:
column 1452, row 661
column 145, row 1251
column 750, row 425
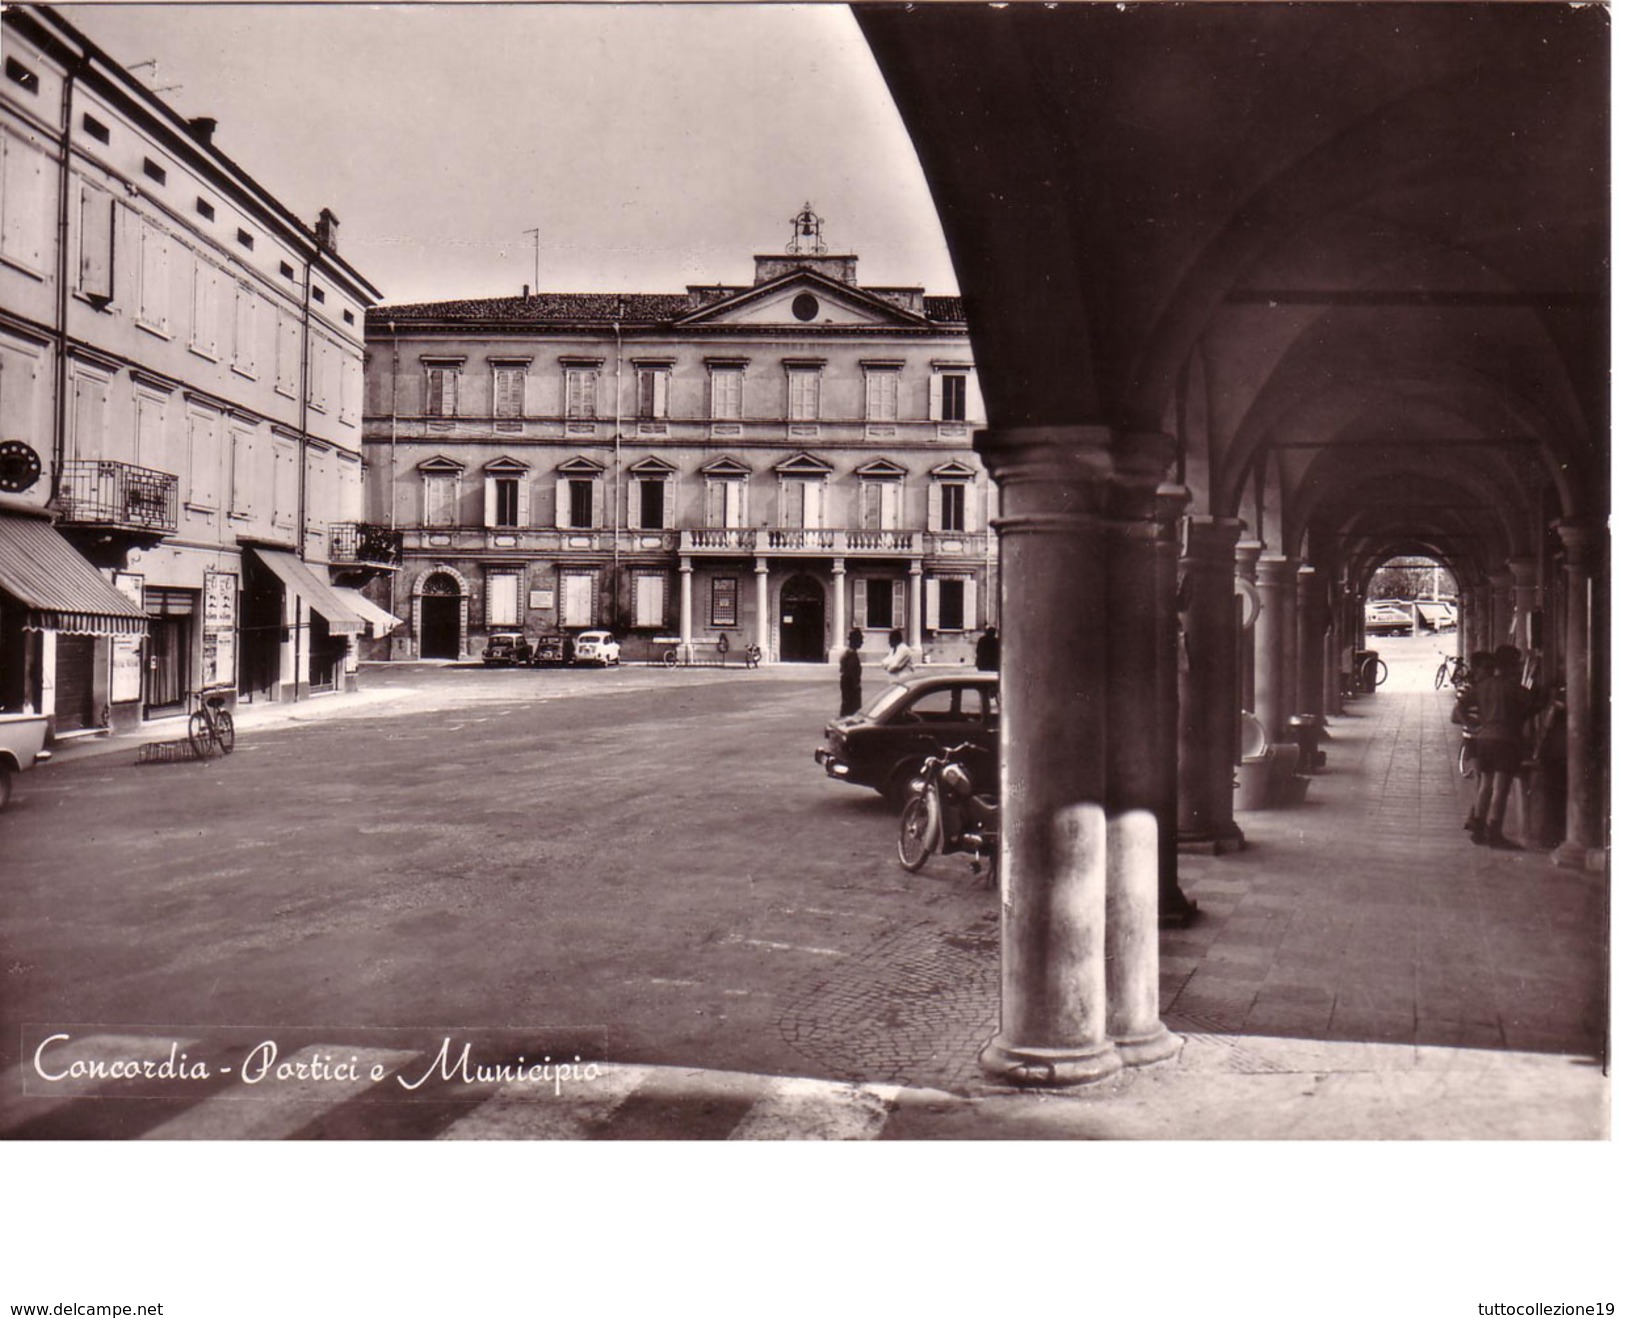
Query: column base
column 1160, row 1046
column 1054, row 1067
column 1575, row 856
column 1220, row 842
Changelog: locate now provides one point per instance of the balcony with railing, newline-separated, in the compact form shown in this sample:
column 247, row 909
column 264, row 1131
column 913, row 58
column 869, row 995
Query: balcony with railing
column 363, row 545
column 795, row 540
column 137, row 502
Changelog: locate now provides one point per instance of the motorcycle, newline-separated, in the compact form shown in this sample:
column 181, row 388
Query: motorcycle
column 944, row 812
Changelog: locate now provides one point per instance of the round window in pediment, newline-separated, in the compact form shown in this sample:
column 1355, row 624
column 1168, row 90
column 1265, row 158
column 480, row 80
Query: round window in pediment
column 805, row 307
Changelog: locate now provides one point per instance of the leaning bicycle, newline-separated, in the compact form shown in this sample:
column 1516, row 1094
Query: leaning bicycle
column 210, row 729
column 1453, row 670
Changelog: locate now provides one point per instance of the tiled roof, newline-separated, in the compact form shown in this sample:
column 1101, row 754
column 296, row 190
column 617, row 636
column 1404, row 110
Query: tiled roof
column 586, row 308
column 562, row 307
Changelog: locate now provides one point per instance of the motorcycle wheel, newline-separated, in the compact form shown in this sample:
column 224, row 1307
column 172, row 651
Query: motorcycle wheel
column 916, row 833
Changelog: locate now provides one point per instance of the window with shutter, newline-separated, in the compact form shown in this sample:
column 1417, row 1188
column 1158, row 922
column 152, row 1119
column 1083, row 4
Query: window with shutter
column 507, row 501
column 649, row 604
column 502, row 599
column 508, row 389
column 953, row 396
column 439, row 499
column 25, row 205
column 881, row 395
column 245, row 331
column 441, row 399
column 953, row 506
column 727, row 393
column 96, row 216
column 580, row 389
column 880, row 597
column 153, row 295
column 804, row 394
column 653, row 386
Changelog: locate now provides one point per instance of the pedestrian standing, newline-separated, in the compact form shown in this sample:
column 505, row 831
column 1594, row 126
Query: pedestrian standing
column 899, row 660
column 987, row 651
column 1504, row 707
column 852, row 674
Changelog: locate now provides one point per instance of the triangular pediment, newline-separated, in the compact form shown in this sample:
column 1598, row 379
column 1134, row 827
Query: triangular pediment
column 881, row 468
column 652, row 466
column 725, row 466
column 804, row 299
column 581, row 466
column 954, row 471
column 803, row 464
column 440, row 463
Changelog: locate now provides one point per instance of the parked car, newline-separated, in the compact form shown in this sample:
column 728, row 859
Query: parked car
column 1389, row 618
column 597, row 648
column 506, row 650
column 549, row 649
column 22, row 737
column 885, row 744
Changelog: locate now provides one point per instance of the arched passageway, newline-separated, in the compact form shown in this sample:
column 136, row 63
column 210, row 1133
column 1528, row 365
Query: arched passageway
column 1267, row 295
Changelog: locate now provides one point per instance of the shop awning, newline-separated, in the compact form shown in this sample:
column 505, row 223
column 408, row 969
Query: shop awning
column 382, row 620
column 59, row 589
column 323, row 598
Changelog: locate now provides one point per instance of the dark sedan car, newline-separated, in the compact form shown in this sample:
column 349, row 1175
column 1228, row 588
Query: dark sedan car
column 884, row 746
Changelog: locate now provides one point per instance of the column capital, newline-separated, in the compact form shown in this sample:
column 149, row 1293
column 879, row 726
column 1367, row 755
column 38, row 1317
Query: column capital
column 1522, row 570
column 1016, row 455
column 838, row 567
column 1277, row 570
column 1247, row 555
column 685, row 563
column 1580, row 537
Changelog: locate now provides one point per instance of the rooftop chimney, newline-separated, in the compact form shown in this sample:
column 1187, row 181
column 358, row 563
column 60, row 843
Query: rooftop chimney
column 203, row 129
column 327, row 231
column 526, row 293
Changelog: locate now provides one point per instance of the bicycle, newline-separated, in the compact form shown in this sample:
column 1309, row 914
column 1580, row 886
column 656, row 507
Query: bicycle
column 1453, row 670
column 1373, row 673
column 210, row 726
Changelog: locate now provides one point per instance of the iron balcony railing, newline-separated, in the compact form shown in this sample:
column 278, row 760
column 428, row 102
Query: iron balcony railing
column 118, row 495
column 364, row 544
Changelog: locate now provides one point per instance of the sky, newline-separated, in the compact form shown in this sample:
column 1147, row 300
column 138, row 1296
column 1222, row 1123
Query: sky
column 653, row 146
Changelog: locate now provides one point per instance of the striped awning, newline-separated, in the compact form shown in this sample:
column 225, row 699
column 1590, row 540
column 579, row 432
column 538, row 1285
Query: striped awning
column 382, row 620
column 59, row 589
column 308, row 584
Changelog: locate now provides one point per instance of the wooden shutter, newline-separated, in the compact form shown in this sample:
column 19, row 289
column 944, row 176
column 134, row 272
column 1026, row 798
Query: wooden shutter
column 971, row 620
column 936, row 395
column 561, row 503
column 96, row 213
column 933, row 508
column 860, row 603
column 668, row 507
column 971, row 521
column 933, row 603
column 890, row 501
column 597, row 502
column 490, row 501
column 523, row 517
column 899, row 604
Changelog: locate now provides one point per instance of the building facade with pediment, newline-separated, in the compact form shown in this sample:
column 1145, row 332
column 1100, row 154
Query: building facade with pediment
column 773, row 463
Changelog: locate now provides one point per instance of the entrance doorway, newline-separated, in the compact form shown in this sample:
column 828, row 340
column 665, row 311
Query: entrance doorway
column 75, row 683
column 801, row 622
column 440, row 620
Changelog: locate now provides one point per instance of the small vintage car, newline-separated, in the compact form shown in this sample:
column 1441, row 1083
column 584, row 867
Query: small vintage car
column 549, row 649
column 506, row 650
column 597, row 647
column 22, row 738
column 884, row 746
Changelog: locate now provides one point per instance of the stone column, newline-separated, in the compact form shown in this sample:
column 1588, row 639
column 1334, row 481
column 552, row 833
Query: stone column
column 1052, row 757
column 838, row 589
column 1247, row 552
column 1173, row 907
column 1311, row 643
column 1209, row 687
column 1583, row 826
column 916, row 620
column 764, row 621
column 1525, row 600
column 685, row 604
column 1500, row 612
column 1140, row 767
column 1277, row 581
